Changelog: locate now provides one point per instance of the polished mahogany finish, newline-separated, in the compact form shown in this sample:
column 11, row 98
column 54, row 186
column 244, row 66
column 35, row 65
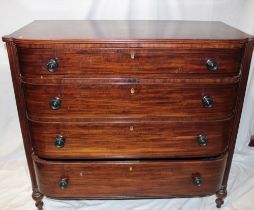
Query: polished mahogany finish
column 115, row 140
column 52, row 31
column 129, row 100
column 129, row 109
column 130, row 62
column 102, row 179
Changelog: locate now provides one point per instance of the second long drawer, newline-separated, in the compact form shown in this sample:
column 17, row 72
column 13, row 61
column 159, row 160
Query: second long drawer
column 57, row 101
column 100, row 140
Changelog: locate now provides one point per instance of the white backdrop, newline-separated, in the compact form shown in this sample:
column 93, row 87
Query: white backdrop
column 15, row 189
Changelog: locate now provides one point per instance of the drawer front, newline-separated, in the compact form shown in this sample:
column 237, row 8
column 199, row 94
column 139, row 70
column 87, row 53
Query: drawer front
column 121, row 179
column 129, row 140
column 125, row 100
column 117, row 63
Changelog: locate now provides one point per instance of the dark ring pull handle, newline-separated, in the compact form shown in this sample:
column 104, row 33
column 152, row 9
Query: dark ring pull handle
column 202, row 140
column 207, row 102
column 55, row 103
column 63, row 183
column 59, row 141
column 211, row 64
column 52, row 65
column 197, row 180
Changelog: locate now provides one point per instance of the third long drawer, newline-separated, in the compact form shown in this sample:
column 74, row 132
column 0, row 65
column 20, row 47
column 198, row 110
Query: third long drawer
column 133, row 139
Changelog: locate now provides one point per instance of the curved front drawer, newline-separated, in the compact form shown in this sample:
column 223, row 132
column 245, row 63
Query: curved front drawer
column 129, row 100
column 118, row 140
column 123, row 179
column 132, row 62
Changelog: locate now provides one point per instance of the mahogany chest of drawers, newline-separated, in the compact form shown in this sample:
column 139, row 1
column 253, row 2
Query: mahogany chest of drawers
column 129, row 109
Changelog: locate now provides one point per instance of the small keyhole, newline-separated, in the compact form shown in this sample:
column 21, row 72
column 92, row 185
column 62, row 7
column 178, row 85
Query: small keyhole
column 132, row 55
column 132, row 90
column 131, row 128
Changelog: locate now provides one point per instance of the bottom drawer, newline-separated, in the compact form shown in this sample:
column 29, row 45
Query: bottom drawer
column 129, row 179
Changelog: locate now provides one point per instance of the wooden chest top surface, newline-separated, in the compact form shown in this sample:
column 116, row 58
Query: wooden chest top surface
column 126, row 30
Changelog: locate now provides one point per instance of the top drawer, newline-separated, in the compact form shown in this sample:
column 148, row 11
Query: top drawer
column 125, row 63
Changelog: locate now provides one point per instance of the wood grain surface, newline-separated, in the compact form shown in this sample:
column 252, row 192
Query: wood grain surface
column 110, row 179
column 151, row 139
column 131, row 106
column 117, row 100
column 122, row 63
column 126, row 30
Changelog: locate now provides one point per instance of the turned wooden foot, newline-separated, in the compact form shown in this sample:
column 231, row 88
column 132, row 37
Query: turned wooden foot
column 221, row 194
column 37, row 196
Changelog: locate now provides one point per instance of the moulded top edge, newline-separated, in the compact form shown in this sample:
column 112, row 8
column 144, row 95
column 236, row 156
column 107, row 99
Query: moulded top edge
column 114, row 31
